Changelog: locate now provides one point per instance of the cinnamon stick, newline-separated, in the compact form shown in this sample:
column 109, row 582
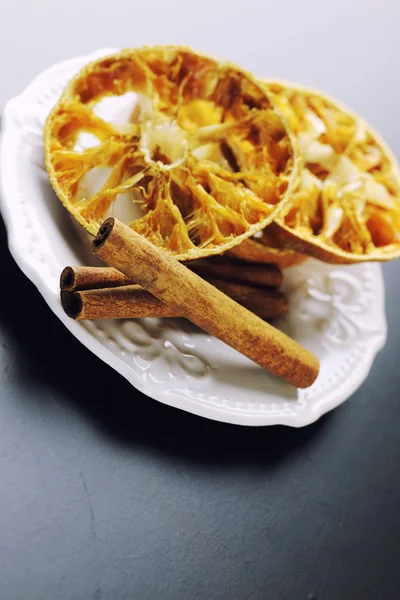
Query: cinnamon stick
column 127, row 302
column 263, row 302
column 133, row 302
column 90, row 278
column 263, row 276
column 196, row 299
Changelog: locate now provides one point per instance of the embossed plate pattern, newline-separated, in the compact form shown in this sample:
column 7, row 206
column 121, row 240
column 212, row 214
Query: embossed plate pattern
column 336, row 312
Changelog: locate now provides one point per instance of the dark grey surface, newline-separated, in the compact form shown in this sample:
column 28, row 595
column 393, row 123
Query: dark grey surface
column 107, row 496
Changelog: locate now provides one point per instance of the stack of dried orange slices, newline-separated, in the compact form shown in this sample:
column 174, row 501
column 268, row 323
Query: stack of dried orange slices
column 214, row 160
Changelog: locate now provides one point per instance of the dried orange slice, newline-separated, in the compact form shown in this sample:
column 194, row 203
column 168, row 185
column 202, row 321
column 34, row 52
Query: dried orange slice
column 203, row 161
column 346, row 208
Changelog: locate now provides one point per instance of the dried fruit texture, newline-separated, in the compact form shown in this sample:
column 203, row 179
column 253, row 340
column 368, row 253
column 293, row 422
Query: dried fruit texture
column 204, row 154
column 347, row 205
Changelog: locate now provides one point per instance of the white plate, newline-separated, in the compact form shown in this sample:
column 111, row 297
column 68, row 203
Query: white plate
column 336, row 312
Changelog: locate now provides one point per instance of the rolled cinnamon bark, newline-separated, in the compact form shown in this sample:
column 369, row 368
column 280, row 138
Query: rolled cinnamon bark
column 257, row 275
column 175, row 285
column 265, row 303
column 133, row 302
column 127, row 302
column 90, row 278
